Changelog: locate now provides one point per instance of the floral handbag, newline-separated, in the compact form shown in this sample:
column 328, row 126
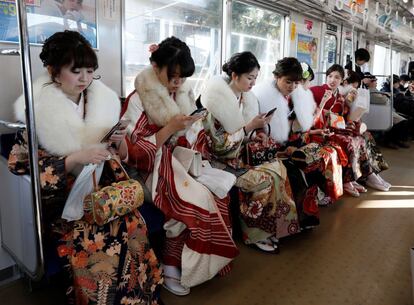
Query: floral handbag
column 258, row 153
column 115, row 200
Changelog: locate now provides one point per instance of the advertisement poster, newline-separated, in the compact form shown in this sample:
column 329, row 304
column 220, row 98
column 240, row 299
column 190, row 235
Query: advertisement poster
column 307, row 50
column 46, row 17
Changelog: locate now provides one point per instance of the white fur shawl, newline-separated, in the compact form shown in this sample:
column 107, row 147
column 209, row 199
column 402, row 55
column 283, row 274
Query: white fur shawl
column 304, row 106
column 59, row 128
column 223, row 104
column 156, row 100
column 269, row 97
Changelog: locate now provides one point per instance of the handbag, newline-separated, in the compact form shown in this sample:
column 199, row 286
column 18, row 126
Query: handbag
column 190, row 159
column 258, row 153
column 110, row 202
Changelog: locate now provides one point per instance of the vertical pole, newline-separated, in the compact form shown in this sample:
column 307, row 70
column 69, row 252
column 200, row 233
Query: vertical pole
column 391, row 81
column 31, row 131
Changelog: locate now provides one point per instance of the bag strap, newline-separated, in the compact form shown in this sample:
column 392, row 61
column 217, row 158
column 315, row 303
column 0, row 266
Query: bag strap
column 268, row 131
column 95, row 183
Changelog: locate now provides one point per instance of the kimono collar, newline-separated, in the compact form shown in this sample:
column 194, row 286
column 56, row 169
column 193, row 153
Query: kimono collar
column 270, row 97
column 304, row 106
column 59, row 127
column 158, row 104
column 224, row 105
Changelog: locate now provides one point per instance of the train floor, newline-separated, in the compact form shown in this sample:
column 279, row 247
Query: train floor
column 359, row 255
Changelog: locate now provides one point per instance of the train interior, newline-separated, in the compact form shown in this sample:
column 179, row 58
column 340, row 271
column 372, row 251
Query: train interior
column 360, row 254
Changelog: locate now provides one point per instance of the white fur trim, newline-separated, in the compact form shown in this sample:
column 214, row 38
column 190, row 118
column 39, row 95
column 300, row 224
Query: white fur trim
column 156, row 100
column 269, row 97
column 59, row 128
column 223, row 104
column 304, row 106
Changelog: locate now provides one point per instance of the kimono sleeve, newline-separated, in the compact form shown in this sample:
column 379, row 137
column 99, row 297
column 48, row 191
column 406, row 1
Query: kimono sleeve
column 140, row 139
column 52, row 170
column 222, row 143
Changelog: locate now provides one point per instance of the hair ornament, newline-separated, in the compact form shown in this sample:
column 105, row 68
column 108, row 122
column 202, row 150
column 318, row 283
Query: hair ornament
column 305, row 68
column 154, row 47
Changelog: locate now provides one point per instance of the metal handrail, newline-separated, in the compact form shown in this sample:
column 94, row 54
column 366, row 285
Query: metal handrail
column 12, row 125
column 32, row 139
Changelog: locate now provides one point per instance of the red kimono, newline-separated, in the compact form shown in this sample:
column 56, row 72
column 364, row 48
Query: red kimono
column 364, row 157
column 197, row 223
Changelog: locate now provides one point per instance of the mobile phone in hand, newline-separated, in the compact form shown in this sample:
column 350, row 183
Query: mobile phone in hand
column 270, row 112
column 122, row 124
column 199, row 112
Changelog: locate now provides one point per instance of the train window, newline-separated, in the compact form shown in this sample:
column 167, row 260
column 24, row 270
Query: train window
column 347, row 51
column 382, row 61
column 329, row 51
column 258, row 31
column 198, row 23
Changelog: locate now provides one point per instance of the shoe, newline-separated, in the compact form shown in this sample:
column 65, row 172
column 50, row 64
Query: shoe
column 172, row 281
column 174, row 286
column 376, row 183
column 327, row 200
column 403, row 144
column 350, row 189
column 386, row 183
column 359, row 187
column 267, row 246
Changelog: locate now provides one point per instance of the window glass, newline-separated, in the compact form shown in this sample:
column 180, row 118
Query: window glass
column 329, row 53
column 381, row 64
column 347, row 51
column 196, row 22
column 258, row 31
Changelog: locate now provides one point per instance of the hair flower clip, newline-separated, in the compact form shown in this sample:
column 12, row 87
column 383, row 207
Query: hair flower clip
column 152, row 48
column 305, row 69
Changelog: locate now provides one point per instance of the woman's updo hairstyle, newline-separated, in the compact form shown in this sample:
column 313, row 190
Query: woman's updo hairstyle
column 67, row 48
column 173, row 53
column 337, row 68
column 241, row 63
column 289, row 67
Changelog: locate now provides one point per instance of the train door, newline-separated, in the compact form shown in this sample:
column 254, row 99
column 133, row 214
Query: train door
column 330, row 48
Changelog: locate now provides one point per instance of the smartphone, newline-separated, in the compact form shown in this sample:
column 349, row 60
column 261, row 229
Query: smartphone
column 270, row 112
column 199, row 111
column 122, row 124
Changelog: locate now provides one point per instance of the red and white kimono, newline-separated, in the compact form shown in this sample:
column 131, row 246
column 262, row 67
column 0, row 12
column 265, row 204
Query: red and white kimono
column 198, row 227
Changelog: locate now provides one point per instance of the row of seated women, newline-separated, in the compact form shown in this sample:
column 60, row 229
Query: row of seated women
column 114, row 263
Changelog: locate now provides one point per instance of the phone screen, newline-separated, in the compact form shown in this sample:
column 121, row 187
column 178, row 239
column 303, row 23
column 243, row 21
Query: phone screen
column 270, row 112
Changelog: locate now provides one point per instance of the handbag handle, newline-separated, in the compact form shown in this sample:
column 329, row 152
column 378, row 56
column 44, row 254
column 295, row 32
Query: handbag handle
column 268, row 131
column 95, row 184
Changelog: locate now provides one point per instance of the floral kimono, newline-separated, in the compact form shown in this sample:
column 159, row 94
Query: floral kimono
column 325, row 158
column 265, row 197
column 109, row 264
column 304, row 194
column 364, row 157
column 198, row 227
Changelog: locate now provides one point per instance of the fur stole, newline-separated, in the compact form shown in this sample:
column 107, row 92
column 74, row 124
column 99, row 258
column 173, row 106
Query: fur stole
column 156, row 101
column 270, row 97
column 304, row 106
column 59, row 128
column 223, row 104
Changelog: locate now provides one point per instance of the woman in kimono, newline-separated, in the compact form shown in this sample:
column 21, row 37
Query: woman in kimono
column 276, row 93
column 199, row 243
column 322, row 162
column 112, row 263
column 267, row 210
column 364, row 159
